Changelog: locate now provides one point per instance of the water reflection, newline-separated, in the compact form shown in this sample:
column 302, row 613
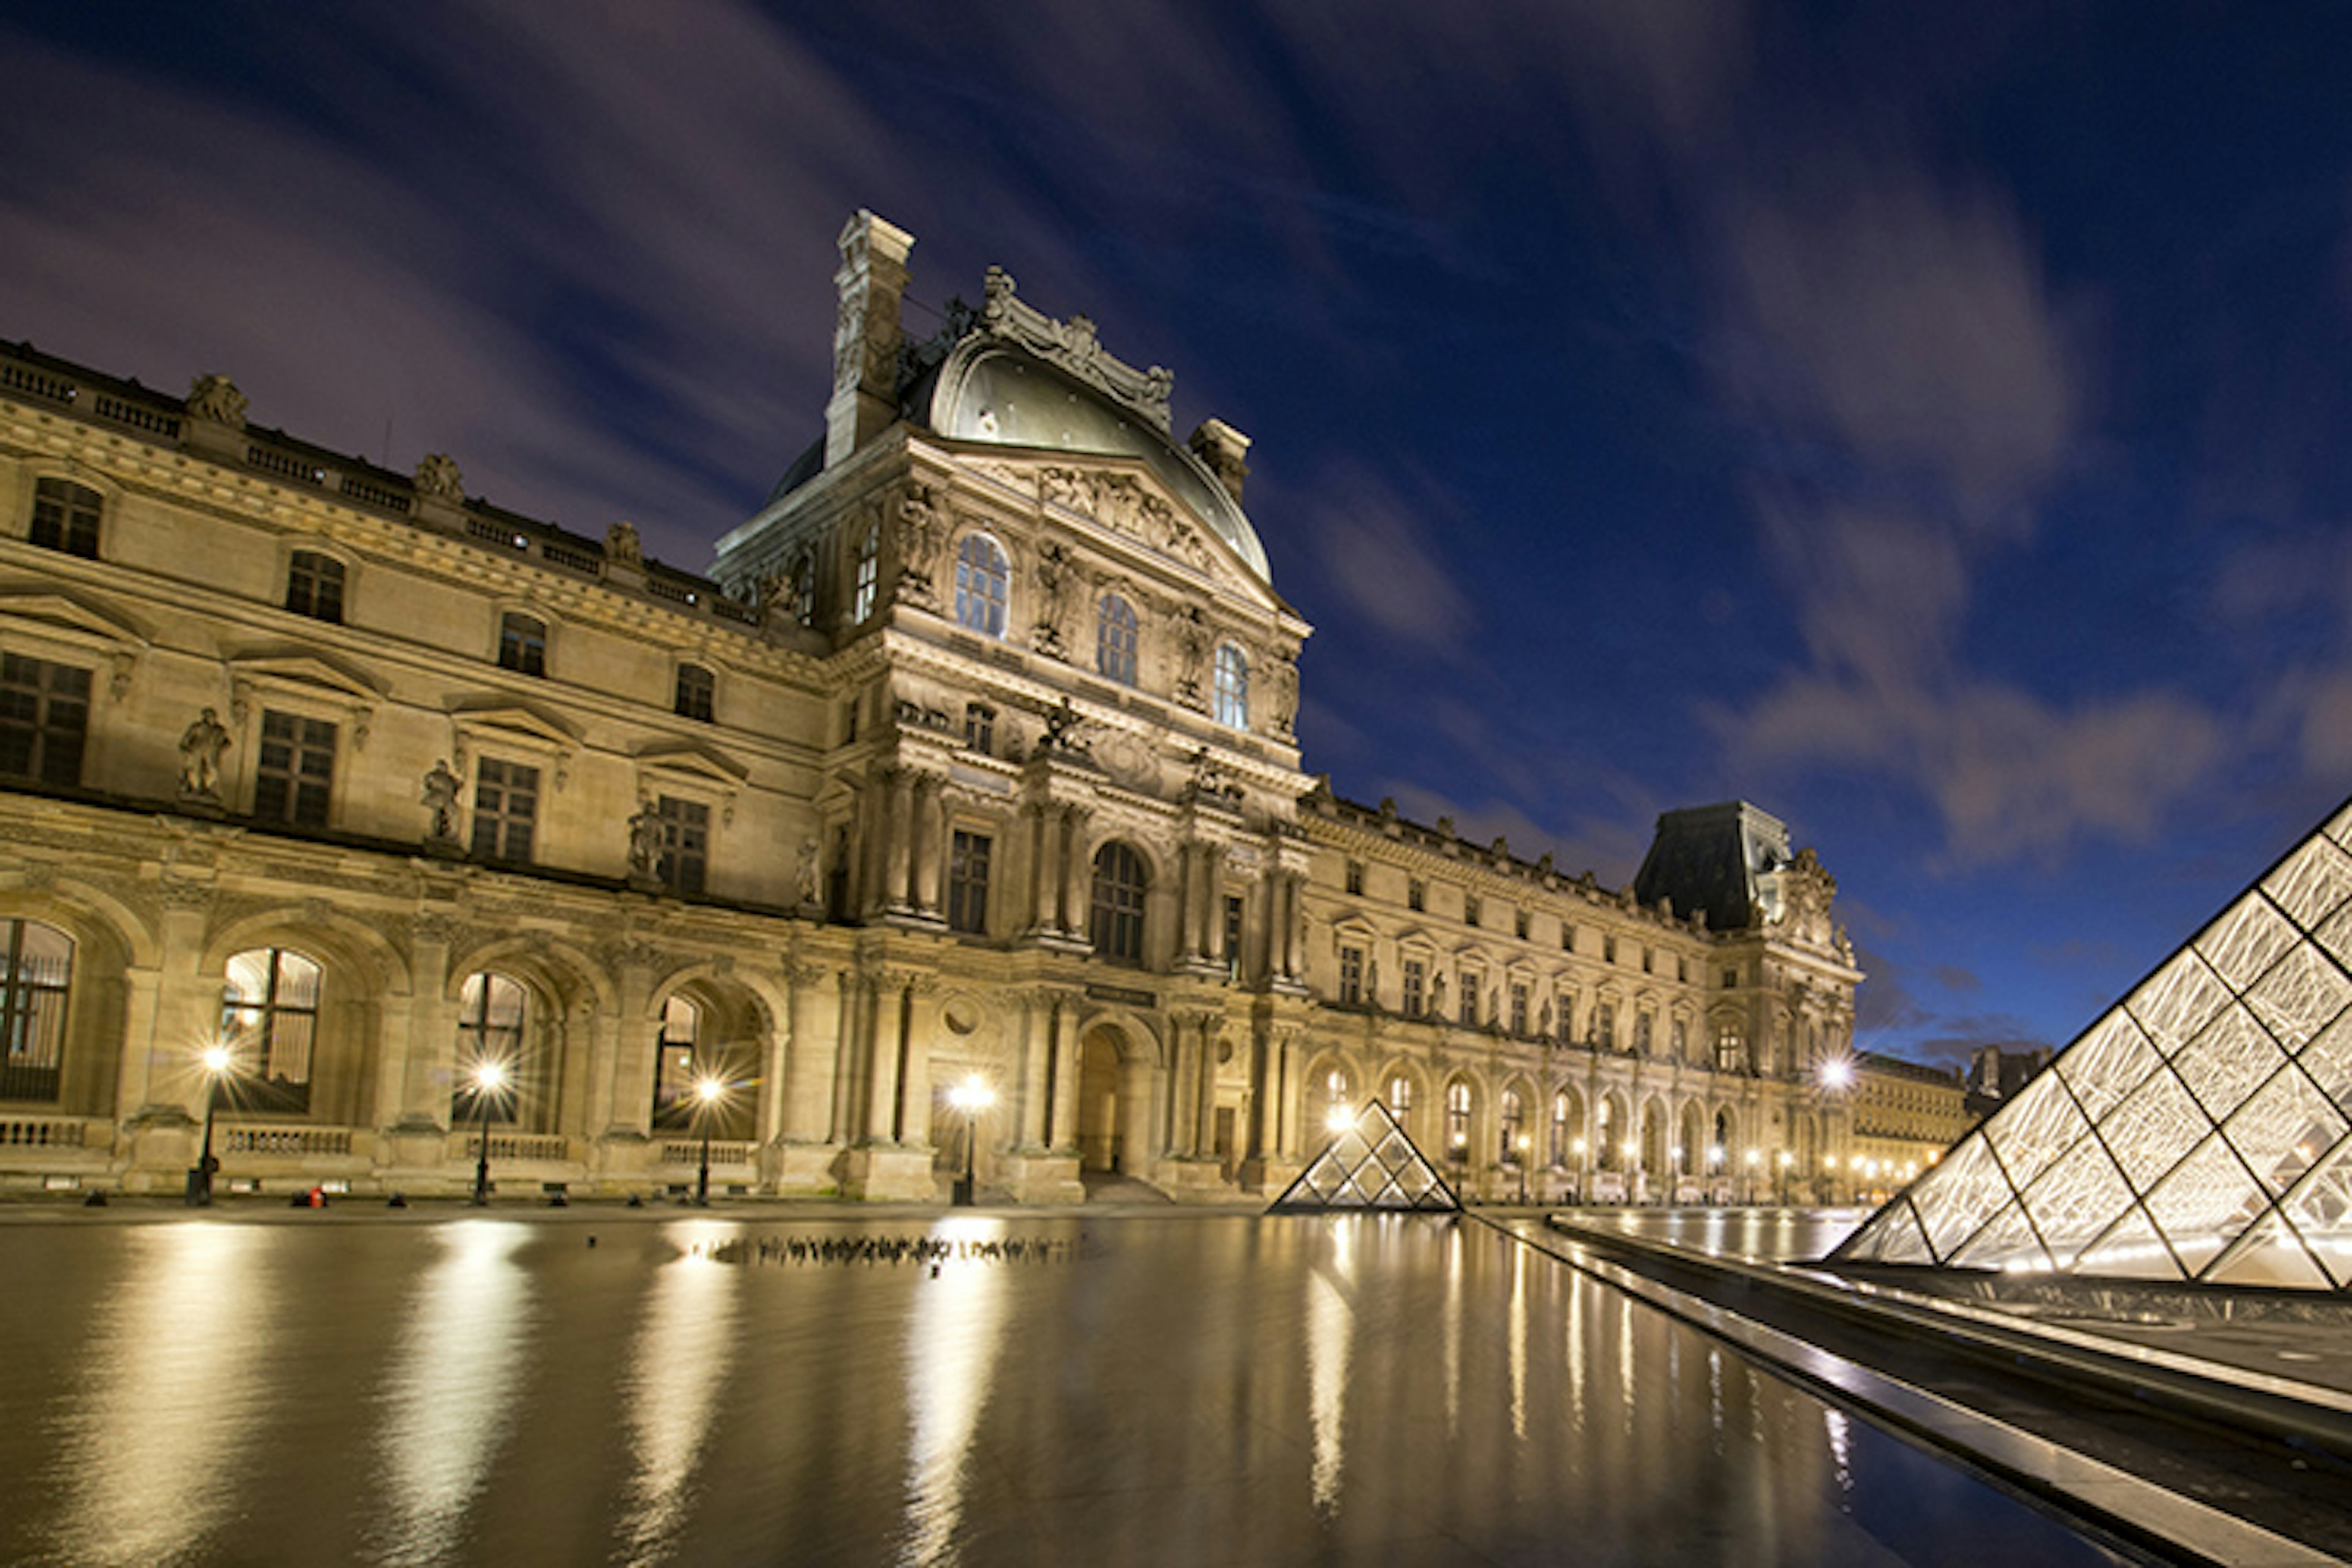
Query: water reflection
column 1519, row 1337
column 1841, row 1449
column 173, row 1369
column 1454, row 1332
column 1330, row 1327
column 450, row 1390
column 677, row 1368
column 952, row 1338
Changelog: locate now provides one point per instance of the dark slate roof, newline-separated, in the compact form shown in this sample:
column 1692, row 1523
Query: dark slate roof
column 1707, row 857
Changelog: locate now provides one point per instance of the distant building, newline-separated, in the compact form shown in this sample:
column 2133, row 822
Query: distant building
column 1905, row 1116
column 972, row 756
column 1996, row 1073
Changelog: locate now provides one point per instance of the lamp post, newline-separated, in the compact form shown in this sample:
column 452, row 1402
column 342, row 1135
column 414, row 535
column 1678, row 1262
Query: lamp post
column 1829, row 1176
column 1747, row 1182
column 1786, row 1160
column 971, row 1097
column 489, row 1076
column 1523, row 1169
column 708, row 1093
column 215, row 1061
column 1584, row 1171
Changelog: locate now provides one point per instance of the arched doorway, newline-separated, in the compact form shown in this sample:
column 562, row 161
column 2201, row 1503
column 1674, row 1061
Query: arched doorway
column 1100, row 1125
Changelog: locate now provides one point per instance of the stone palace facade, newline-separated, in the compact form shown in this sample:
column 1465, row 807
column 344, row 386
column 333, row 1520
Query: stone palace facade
column 972, row 755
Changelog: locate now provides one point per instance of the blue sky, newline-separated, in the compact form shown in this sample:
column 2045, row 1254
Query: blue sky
column 1928, row 426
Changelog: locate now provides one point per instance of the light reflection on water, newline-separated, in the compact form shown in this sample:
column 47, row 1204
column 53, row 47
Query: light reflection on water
column 678, row 1367
column 1331, row 1335
column 952, row 1338
column 451, row 1386
column 173, row 1366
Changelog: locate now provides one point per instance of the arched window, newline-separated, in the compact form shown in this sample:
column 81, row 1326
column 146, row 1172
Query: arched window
column 32, row 990
column 1118, row 923
column 803, row 588
column 675, row 1072
column 1730, row 1050
column 869, row 574
column 1513, row 1122
column 65, row 517
column 491, row 1014
column 981, row 574
column 1115, row 639
column 1604, row 1134
column 1233, row 687
column 269, row 1021
column 1400, row 1099
column 1560, row 1128
column 1335, row 1094
column 522, row 644
column 314, row 586
column 1457, row 1121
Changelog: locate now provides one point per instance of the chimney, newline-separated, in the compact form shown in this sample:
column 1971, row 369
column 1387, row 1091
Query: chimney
column 866, row 334
column 1223, row 447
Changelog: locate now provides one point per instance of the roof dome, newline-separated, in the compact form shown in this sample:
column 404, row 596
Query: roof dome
column 991, row 391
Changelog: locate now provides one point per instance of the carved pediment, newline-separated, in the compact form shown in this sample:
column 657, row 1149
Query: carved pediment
column 47, row 608
column 1123, row 497
column 502, row 716
column 693, row 759
column 327, row 674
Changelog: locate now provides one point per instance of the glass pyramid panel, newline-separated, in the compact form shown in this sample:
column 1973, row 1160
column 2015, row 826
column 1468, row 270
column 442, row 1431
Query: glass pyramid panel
column 2269, row 1253
column 2246, row 940
column 2234, row 1056
column 1370, row 1164
column 2301, row 995
column 2101, row 1067
column 2309, row 884
column 2150, row 1131
column 2130, row 1250
column 2178, row 1000
column 2039, row 1125
column 2284, row 1129
column 2204, row 1204
column 2220, row 1087
column 2008, row 1242
column 2076, row 1199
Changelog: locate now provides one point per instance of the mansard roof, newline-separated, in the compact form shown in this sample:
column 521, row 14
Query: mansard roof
column 1710, row 858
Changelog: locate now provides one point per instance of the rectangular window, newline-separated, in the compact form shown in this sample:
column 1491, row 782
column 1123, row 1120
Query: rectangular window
column 869, row 573
column 1470, row 982
column 686, row 845
column 979, row 727
column 1233, row 937
column 296, row 771
column 35, row 971
column 1520, row 924
column 1351, row 975
column 1564, row 1012
column 1518, row 1009
column 695, row 688
column 968, row 859
column 1647, row 960
column 1416, row 986
column 44, row 719
column 1469, row 908
column 506, row 810
column 1608, row 950
column 522, row 645
column 1604, row 1025
column 1681, row 969
column 1567, row 936
column 1416, row 894
column 1731, row 979
column 1355, row 879
column 314, row 586
column 65, row 517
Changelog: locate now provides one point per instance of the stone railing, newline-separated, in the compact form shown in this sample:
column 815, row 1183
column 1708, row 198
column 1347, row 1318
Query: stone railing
column 41, row 1131
column 537, row 1146
column 290, row 1141
column 688, row 1151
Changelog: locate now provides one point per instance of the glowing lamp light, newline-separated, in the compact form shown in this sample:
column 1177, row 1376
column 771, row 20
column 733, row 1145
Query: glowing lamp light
column 1579, row 1148
column 489, row 1076
column 1337, row 1119
column 1837, row 1074
column 1754, row 1156
column 1787, row 1159
column 217, row 1059
column 709, row 1091
column 972, row 1095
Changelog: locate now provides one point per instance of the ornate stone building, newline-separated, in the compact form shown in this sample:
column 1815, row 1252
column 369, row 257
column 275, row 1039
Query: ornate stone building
column 1905, row 1115
column 973, row 755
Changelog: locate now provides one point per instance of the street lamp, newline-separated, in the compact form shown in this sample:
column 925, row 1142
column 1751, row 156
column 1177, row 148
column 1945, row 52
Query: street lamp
column 216, row 1060
column 1584, row 1171
column 1786, row 1160
column 1748, row 1182
column 707, row 1092
column 1523, row 1169
column 489, row 1076
column 1337, row 1120
column 971, row 1097
column 1829, row 1172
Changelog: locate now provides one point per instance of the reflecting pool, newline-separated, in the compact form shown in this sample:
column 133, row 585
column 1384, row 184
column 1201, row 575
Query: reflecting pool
column 967, row 1389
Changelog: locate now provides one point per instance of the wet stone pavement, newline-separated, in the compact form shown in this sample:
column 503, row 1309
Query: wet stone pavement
column 977, row 1389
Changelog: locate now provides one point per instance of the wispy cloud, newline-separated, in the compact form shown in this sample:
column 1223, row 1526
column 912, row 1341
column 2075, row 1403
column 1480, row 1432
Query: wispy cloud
column 1375, row 544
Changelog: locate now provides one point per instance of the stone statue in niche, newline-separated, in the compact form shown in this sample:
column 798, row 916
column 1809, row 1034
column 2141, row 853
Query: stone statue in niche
column 216, row 398
column 1057, row 579
column 622, row 544
column 1436, row 996
column 438, row 478
column 1190, row 634
column 920, row 537
column 440, row 798
column 1286, row 695
column 201, row 745
column 1065, row 730
column 645, row 847
column 806, row 873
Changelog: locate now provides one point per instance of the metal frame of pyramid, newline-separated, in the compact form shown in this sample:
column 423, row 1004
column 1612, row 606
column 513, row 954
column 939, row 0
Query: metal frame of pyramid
column 2200, row 1130
column 1373, row 1164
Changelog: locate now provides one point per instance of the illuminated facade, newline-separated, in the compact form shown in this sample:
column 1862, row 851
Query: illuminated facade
column 973, row 755
column 1905, row 1116
column 2201, row 1129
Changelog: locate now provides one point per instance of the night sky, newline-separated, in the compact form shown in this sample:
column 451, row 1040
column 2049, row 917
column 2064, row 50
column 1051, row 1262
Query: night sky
column 1926, row 423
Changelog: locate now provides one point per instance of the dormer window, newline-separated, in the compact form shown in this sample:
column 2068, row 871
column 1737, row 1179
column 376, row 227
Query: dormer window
column 522, row 644
column 314, row 586
column 65, row 517
column 695, row 688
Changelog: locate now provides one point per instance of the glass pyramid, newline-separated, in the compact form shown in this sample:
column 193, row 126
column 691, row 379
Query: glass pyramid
column 1369, row 1165
column 2200, row 1130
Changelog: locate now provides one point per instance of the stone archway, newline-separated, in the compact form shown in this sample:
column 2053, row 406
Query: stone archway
column 1114, row 1102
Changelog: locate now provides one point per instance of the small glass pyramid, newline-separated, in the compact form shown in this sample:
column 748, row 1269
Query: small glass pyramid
column 2200, row 1130
column 1371, row 1164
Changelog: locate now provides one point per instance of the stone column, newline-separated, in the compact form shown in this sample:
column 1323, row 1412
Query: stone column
column 930, row 890
column 1183, row 1096
column 1045, row 868
column 1077, row 871
column 1204, row 1122
column 808, row 1045
column 1064, row 1114
column 852, row 1009
column 922, row 1014
column 882, row 1032
column 897, row 844
column 1187, row 903
column 1033, row 1122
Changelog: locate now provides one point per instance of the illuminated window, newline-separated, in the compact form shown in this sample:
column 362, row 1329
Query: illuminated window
column 1233, row 687
column 1458, row 1119
column 982, row 573
column 314, row 586
column 1513, row 1117
column 269, row 1020
column 1559, row 1122
column 32, row 990
column 869, row 573
column 674, row 1073
column 1400, row 1098
column 1730, row 1050
column 65, row 517
column 491, row 1012
column 1115, row 639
